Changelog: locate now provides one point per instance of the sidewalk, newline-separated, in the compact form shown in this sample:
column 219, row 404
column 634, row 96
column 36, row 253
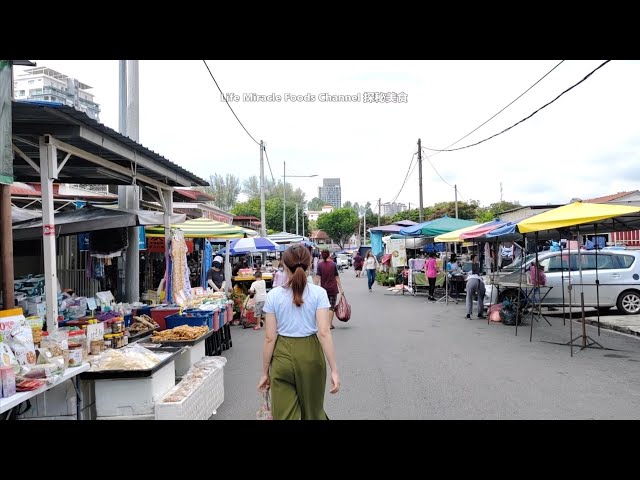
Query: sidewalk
column 629, row 324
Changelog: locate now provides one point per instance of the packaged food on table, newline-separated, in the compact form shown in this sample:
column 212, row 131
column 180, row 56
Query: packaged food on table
column 7, row 382
column 21, row 342
column 28, row 384
column 56, row 342
column 131, row 357
column 97, row 346
column 117, row 325
column 117, row 340
column 7, row 358
column 73, row 357
column 78, row 339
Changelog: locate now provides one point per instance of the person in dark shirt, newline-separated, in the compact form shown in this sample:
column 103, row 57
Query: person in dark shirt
column 215, row 275
column 328, row 278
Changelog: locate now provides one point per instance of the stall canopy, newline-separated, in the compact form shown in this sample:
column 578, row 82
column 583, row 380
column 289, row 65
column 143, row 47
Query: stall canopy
column 90, row 219
column 607, row 217
column 483, row 229
column 21, row 214
column 284, row 237
column 437, row 227
column 201, row 228
column 456, row 235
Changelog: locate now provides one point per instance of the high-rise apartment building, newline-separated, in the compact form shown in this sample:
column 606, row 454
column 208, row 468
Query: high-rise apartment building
column 330, row 192
column 45, row 84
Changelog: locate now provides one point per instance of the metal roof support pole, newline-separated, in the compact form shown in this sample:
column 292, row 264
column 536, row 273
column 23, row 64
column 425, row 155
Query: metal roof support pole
column 48, row 172
column 167, row 204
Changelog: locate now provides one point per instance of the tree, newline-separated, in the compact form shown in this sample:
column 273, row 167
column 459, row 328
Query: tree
column 315, row 204
column 347, row 204
column 249, row 208
column 493, row 211
column 225, row 190
column 251, row 187
column 339, row 224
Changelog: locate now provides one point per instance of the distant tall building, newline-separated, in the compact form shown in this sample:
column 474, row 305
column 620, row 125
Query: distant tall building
column 330, row 192
column 46, row 85
column 390, row 209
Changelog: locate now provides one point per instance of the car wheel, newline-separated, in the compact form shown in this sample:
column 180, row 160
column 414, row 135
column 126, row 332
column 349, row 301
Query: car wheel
column 629, row 302
column 512, row 296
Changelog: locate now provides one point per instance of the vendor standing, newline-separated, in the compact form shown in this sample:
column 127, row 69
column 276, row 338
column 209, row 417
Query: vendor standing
column 215, row 275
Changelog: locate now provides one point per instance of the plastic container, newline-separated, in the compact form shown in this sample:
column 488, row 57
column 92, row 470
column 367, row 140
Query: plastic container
column 78, row 339
column 127, row 319
column 158, row 314
column 173, row 321
column 200, row 313
column 7, row 382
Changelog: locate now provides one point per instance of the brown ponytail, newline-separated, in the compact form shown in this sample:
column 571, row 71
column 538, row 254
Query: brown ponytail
column 297, row 259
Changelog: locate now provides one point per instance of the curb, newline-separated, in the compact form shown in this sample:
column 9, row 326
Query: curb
column 608, row 326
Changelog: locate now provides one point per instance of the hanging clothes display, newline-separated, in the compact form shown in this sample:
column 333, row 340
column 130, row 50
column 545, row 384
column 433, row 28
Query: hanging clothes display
column 207, row 255
column 180, row 284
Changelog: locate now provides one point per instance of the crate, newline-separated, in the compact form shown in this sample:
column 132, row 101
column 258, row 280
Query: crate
column 160, row 313
column 202, row 402
column 176, row 320
column 189, row 356
column 199, row 313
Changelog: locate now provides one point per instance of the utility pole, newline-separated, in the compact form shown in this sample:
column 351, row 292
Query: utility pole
column 297, row 218
column 455, row 187
column 420, row 177
column 500, row 192
column 379, row 209
column 263, row 215
column 364, row 227
column 284, row 198
column 6, row 178
column 129, row 195
column 303, row 216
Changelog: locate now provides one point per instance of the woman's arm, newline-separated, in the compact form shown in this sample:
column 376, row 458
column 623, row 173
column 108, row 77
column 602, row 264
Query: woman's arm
column 323, row 321
column 270, row 336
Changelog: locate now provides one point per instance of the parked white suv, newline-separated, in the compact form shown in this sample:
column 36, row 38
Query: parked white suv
column 618, row 276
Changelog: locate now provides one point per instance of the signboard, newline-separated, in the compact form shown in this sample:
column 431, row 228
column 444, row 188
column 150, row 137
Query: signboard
column 142, row 239
column 6, row 149
column 156, row 244
column 397, row 247
column 48, row 230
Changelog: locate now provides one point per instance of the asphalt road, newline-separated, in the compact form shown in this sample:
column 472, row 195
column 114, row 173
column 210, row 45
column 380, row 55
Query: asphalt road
column 401, row 357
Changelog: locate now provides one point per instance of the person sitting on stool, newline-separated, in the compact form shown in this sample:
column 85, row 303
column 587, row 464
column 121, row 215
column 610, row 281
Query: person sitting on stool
column 475, row 285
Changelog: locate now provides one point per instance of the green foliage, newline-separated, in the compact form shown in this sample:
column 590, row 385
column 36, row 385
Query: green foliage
column 225, row 190
column 339, row 224
column 273, row 214
column 315, row 204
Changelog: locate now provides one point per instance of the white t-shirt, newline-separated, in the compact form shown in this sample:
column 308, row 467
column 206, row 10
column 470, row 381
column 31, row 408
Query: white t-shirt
column 260, row 287
column 293, row 321
column 370, row 263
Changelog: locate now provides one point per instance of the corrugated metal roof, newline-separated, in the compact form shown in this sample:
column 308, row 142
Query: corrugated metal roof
column 609, row 198
column 56, row 114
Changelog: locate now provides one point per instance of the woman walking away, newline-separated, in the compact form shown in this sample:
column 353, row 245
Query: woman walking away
column 370, row 265
column 431, row 272
column 328, row 278
column 297, row 344
column 357, row 264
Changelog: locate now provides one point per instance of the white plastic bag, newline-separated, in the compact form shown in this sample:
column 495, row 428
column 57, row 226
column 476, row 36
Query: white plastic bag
column 264, row 412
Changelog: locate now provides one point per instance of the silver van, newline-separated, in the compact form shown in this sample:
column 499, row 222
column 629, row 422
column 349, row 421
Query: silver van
column 618, row 275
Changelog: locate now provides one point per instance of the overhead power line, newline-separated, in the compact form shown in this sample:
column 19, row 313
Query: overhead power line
column 524, row 119
column 269, row 164
column 227, row 102
column 504, row 108
column 405, row 178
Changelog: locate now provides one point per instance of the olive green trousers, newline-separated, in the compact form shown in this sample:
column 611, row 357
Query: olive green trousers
column 298, row 377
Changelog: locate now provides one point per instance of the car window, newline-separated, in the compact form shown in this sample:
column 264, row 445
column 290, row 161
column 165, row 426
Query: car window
column 558, row 263
column 604, row 262
column 626, row 260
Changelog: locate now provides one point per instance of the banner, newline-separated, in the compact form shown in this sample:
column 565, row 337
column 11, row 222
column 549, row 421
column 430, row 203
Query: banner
column 6, row 150
column 397, row 247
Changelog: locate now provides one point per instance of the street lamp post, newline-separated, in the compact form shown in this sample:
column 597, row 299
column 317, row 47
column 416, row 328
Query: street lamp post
column 284, row 194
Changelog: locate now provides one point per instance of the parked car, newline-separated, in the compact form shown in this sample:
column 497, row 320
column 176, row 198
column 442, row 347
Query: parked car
column 618, row 275
column 342, row 260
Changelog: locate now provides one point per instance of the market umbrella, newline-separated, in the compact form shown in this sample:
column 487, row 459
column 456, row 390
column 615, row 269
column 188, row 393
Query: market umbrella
column 201, row 228
column 252, row 245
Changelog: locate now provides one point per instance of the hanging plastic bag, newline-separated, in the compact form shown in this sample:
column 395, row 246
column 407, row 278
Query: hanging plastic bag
column 264, row 412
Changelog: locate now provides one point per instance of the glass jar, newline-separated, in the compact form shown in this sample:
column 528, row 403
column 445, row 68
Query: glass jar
column 117, row 340
column 107, row 341
column 78, row 339
column 117, row 325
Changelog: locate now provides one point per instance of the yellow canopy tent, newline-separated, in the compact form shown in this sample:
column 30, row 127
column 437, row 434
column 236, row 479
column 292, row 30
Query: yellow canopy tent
column 587, row 214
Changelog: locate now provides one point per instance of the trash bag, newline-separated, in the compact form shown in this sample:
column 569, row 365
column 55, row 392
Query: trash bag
column 508, row 314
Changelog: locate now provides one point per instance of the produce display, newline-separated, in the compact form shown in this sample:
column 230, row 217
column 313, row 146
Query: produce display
column 178, row 334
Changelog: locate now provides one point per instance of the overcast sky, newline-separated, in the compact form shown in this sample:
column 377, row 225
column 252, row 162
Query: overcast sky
column 585, row 145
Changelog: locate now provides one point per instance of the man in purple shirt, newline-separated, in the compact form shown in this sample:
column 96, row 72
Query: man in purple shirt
column 327, row 277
